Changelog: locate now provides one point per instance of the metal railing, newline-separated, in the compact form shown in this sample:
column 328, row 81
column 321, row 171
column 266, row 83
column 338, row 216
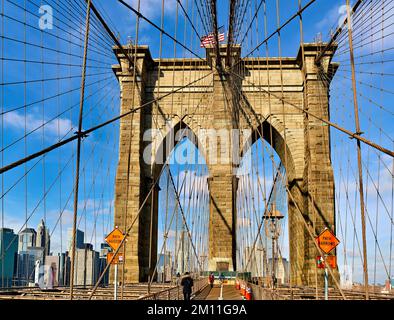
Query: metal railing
column 298, row 293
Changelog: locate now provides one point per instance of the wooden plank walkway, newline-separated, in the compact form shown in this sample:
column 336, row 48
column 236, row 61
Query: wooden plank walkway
column 229, row 293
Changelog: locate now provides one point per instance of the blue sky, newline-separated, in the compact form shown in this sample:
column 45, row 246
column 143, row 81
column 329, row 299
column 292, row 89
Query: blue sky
column 54, row 174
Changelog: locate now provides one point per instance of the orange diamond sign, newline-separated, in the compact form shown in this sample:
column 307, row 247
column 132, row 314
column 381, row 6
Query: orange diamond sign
column 117, row 260
column 330, row 260
column 115, row 238
column 327, row 241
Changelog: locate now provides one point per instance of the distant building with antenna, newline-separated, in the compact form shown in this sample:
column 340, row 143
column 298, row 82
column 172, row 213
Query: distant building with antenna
column 43, row 238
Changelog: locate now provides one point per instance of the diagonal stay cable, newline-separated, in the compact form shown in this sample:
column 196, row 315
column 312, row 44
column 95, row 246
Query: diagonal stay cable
column 258, row 234
column 331, row 124
column 155, row 182
column 188, row 18
column 337, row 33
column 35, row 164
column 86, row 132
column 204, row 22
column 301, row 214
column 177, row 205
column 279, row 29
column 251, row 22
column 239, row 21
column 140, row 15
column 98, row 15
column 183, row 216
column 44, row 124
column 42, row 199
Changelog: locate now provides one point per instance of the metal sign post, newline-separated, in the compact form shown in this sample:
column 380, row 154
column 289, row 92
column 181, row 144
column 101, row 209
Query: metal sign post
column 114, row 239
column 327, row 241
column 116, row 283
column 221, row 292
column 325, row 278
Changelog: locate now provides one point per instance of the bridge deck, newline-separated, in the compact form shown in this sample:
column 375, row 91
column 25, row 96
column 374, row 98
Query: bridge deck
column 229, row 293
column 202, row 292
column 131, row 292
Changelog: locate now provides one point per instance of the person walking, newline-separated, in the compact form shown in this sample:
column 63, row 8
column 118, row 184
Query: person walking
column 187, row 284
column 211, row 279
column 274, row 281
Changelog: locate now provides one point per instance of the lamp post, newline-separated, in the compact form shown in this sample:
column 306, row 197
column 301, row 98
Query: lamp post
column 273, row 216
column 202, row 259
column 261, row 274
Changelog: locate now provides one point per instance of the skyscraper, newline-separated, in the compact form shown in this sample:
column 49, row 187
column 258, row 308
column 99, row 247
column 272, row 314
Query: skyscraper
column 281, row 269
column 27, row 260
column 25, row 263
column 183, row 258
column 8, row 252
column 79, row 239
column 87, row 266
column 27, row 238
column 43, row 238
column 164, row 267
column 64, row 269
column 52, row 270
column 105, row 249
column 254, row 261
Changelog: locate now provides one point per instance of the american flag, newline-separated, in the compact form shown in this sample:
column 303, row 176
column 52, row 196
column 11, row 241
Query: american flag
column 210, row 39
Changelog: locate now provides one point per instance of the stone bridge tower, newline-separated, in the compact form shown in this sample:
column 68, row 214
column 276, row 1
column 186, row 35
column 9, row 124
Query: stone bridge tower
column 210, row 104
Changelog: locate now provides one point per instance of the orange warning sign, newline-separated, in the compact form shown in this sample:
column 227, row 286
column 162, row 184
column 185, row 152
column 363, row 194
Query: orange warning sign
column 117, row 260
column 327, row 241
column 115, row 238
column 330, row 260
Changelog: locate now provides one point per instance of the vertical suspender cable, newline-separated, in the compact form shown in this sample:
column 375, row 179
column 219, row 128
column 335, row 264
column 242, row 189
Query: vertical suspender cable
column 2, row 142
column 25, row 130
column 78, row 160
column 359, row 155
column 391, row 216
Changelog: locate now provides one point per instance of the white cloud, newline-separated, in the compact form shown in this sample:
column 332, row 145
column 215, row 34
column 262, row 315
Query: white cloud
column 14, row 223
column 66, row 219
column 33, row 121
column 152, row 8
column 96, row 206
column 333, row 18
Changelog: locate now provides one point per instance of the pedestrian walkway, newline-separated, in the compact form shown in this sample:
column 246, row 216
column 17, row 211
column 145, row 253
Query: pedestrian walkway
column 229, row 293
column 203, row 294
